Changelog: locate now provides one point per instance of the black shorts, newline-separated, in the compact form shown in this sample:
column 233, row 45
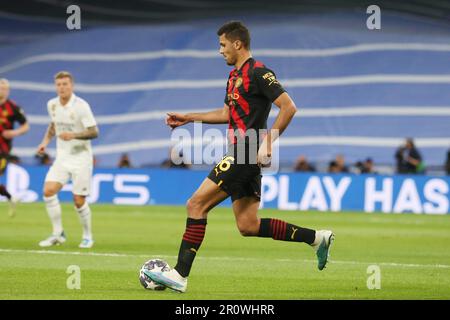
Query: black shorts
column 237, row 180
column 3, row 163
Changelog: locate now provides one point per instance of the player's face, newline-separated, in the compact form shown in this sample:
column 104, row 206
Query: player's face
column 228, row 50
column 4, row 91
column 64, row 87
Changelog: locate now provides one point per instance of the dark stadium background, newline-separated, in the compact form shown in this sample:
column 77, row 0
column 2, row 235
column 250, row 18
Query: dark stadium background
column 157, row 11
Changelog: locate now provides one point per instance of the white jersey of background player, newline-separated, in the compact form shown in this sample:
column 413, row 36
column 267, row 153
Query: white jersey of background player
column 73, row 123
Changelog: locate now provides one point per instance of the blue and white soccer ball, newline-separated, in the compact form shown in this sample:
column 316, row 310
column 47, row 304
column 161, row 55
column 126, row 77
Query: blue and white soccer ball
column 152, row 265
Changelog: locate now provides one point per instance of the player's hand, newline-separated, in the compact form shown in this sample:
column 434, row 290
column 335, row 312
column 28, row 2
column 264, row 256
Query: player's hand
column 264, row 154
column 174, row 120
column 41, row 149
column 9, row 134
column 67, row 136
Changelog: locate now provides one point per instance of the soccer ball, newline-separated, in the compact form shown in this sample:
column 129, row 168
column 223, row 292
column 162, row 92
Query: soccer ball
column 152, row 265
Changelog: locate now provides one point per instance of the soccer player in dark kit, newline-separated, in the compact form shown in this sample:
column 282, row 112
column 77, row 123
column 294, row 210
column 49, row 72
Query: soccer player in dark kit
column 251, row 90
column 9, row 114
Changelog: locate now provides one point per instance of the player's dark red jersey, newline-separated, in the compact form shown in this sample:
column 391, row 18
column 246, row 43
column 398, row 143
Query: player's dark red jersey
column 9, row 113
column 250, row 93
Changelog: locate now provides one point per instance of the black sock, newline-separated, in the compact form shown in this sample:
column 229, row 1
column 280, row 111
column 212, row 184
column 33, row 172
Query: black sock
column 192, row 239
column 4, row 192
column 280, row 230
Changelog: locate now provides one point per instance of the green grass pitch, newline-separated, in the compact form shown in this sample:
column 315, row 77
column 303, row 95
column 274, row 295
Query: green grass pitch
column 412, row 252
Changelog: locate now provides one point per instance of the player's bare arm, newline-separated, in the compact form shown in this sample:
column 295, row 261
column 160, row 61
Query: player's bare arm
column 88, row 134
column 49, row 134
column 11, row 134
column 218, row 116
column 287, row 112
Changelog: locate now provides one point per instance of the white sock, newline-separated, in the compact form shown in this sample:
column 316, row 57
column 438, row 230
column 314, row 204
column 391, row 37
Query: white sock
column 85, row 218
column 54, row 212
column 318, row 239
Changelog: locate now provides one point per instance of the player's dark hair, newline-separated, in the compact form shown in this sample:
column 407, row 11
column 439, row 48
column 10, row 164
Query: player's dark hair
column 235, row 30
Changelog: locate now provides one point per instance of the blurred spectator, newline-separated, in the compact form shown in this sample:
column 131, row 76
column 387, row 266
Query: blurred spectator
column 303, row 165
column 409, row 159
column 124, row 161
column 338, row 165
column 340, row 162
column 333, row 167
column 400, row 163
column 366, row 167
column 447, row 163
column 43, row 159
column 178, row 157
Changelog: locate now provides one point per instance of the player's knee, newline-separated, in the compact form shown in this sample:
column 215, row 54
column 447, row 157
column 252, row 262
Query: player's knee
column 49, row 191
column 195, row 208
column 247, row 230
column 190, row 205
column 79, row 201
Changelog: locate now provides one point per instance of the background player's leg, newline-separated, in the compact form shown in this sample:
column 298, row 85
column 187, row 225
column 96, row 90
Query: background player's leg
column 81, row 179
column 11, row 200
column 56, row 178
column 84, row 212
column 207, row 196
column 51, row 189
column 3, row 190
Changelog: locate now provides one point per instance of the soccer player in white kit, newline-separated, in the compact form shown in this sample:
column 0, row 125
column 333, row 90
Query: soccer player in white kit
column 73, row 123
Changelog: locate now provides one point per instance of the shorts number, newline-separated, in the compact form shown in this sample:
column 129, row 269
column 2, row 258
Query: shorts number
column 224, row 165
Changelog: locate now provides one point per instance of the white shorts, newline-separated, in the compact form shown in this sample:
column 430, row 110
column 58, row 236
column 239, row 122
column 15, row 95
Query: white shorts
column 81, row 177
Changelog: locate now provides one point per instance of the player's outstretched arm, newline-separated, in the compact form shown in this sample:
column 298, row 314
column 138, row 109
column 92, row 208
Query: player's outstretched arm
column 10, row 134
column 49, row 134
column 174, row 120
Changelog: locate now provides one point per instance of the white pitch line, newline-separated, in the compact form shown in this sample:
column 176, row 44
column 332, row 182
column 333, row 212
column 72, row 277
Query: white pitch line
column 123, row 255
